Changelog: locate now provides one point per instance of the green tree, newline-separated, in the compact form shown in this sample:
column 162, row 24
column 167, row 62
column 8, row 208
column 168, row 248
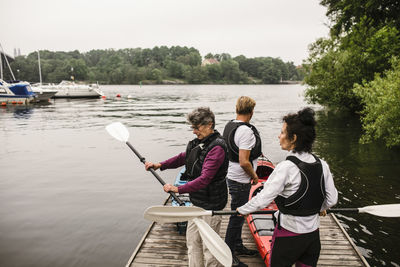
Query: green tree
column 345, row 14
column 80, row 71
column 156, row 75
column 214, row 72
column 195, row 75
column 175, row 69
column 230, row 71
column 208, row 56
column 335, row 65
column 381, row 110
column 249, row 65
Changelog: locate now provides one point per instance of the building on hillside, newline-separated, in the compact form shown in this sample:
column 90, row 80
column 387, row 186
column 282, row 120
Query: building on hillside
column 209, row 61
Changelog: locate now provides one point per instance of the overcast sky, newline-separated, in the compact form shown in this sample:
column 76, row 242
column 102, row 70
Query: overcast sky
column 253, row 28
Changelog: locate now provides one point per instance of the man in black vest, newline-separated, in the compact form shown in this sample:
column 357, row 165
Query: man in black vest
column 244, row 148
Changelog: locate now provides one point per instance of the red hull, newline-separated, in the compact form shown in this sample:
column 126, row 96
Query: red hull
column 261, row 225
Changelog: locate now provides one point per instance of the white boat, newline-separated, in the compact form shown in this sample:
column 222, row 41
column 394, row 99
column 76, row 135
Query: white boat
column 19, row 93
column 66, row 89
column 43, row 94
column 69, row 89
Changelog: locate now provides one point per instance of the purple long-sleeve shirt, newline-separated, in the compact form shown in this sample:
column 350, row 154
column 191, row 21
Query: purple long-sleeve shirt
column 214, row 159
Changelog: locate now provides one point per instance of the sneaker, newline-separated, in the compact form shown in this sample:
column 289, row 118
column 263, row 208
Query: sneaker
column 237, row 263
column 243, row 251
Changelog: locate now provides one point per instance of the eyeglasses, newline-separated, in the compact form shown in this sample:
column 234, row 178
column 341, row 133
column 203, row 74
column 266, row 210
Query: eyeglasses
column 196, row 127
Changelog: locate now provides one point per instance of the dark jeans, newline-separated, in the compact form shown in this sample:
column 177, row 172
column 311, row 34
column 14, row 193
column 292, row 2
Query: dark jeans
column 239, row 196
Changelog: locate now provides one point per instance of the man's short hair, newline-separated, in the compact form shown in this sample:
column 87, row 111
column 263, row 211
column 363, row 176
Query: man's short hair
column 245, row 105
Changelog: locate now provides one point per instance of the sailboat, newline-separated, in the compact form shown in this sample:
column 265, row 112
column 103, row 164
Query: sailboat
column 43, row 94
column 18, row 93
column 70, row 89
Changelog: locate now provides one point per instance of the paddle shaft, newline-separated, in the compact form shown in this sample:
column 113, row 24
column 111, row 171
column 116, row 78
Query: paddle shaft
column 343, row 210
column 143, row 160
column 234, row 212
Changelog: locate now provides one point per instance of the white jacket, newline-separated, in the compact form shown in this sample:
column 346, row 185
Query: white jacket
column 284, row 181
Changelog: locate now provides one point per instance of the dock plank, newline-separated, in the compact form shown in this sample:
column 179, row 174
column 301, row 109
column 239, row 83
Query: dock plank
column 162, row 245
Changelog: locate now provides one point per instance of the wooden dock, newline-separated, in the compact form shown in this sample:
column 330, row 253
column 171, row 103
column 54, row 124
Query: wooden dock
column 162, row 245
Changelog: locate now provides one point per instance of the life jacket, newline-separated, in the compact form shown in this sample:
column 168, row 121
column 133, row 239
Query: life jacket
column 308, row 199
column 233, row 149
column 215, row 195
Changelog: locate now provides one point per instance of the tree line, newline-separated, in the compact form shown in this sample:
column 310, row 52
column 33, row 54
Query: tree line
column 358, row 66
column 157, row 65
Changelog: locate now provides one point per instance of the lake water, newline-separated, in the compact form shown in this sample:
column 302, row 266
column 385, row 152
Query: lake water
column 71, row 195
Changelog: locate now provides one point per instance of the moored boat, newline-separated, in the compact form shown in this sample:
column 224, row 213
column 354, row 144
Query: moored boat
column 69, row 89
column 43, row 94
column 262, row 225
column 18, row 93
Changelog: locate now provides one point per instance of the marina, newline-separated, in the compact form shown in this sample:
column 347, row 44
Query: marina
column 162, row 245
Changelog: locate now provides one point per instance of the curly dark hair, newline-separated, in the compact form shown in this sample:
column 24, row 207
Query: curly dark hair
column 302, row 124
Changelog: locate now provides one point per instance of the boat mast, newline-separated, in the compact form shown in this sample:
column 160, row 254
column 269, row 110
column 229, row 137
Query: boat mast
column 40, row 70
column 1, row 66
column 8, row 64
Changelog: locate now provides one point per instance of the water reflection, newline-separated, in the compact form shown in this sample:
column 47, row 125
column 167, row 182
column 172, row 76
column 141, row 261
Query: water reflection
column 23, row 112
column 364, row 175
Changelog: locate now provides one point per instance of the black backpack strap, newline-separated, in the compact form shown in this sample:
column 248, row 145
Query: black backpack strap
column 294, row 159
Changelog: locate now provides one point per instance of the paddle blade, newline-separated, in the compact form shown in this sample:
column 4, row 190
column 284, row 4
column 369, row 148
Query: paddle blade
column 214, row 243
column 389, row 210
column 171, row 214
column 118, row 131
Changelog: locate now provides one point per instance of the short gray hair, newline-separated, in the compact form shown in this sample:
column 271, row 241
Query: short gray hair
column 201, row 116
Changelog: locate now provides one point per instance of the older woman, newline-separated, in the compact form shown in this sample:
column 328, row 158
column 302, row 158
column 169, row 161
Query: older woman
column 302, row 187
column 206, row 165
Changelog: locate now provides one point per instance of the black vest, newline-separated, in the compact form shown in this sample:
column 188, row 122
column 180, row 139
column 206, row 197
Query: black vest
column 215, row 195
column 233, row 150
column 308, row 199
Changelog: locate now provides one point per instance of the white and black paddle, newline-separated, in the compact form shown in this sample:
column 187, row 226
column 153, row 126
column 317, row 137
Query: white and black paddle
column 386, row 210
column 169, row 214
column 121, row 133
column 214, row 242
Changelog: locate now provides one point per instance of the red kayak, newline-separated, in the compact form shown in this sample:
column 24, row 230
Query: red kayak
column 261, row 225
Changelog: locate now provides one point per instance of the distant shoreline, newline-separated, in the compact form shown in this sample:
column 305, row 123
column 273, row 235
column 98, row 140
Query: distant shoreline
column 180, row 82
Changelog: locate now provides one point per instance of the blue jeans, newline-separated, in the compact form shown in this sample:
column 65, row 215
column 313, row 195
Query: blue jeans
column 239, row 196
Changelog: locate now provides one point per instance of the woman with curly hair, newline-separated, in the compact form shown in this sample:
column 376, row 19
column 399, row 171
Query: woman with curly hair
column 303, row 188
